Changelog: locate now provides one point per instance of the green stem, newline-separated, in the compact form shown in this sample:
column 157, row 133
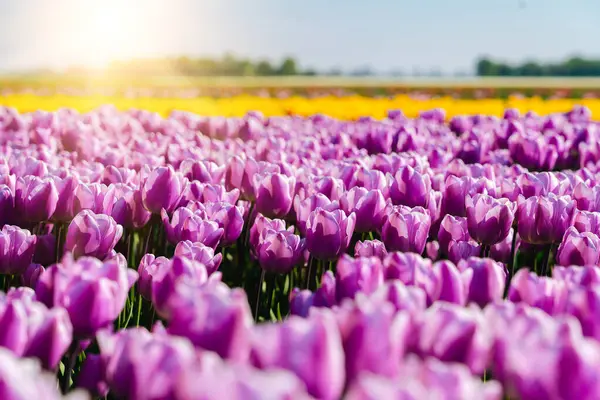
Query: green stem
column 270, row 287
column 258, row 292
column 512, row 263
column 140, row 301
column 73, row 353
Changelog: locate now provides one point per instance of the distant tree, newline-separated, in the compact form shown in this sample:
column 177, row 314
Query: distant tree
column 264, row 68
column 287, row 67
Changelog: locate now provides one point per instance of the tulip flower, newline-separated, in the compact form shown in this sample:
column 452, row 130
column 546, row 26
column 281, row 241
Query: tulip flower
column 368, row 206
column 365, row 323
column 489, row 220
column 162, row 190
column 587, row 221
column 406, row 229
column 193, row 226
column 361, row 275
column 317, row 340
column 201, row 253
column 149, row 268
column 279, row 251
column 484, row 280
column 230, row 218
column 129, row 210
column 328, row 233
column 449, row 283
column 260, row 225
column 370, row 248
column 218, row 320
column 35, row 199
column 93, row 292
column 165, row 277
column 305, row 207
column 452, row 229
column 578, row 248
column 410, row 188
column 94, row 235
column 274, row 194
column 544, row 220
column 22, row 378
column 203, row 171
column 17, row 247
column 452, row 333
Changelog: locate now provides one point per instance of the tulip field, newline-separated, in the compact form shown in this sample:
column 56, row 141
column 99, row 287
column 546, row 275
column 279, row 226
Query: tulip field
column 441, row 249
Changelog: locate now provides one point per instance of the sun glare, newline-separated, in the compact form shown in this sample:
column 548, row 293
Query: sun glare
column 109, row 35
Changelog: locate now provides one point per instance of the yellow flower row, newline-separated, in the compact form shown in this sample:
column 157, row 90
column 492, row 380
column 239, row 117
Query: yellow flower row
column 350, row 107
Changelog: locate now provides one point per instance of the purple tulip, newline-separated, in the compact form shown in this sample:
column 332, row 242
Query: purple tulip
column 163, row 190
column 423, row 380
column 544, row 220
column 188, row 225
column 201, row 253
column 449, row 283
column 305, row 207
column 587, row 197
column 45, row 249
column 237, row 381
column 370, row 248
column 219, row 320
column 406, row 229
column 260, row 225
column 316, row 340
column 456, row 191
column 240, row 175
column 328, row 233
column 93, row 292
column 91, row 377
column 365, row 323
column 300, row 302
column 129, row 210
column 484, row 280
column 51, row 338
column 463, row 250
column 31, row 275
column 35, row 199
column 332, row 188
column 229, row 217
column 587, row 221
column 412, row 270
column 489, row 220
column 452, row 229
column 279, row 251
column 142, row 365
column 22, row 378
column 66, row 188
column 361, row 275
column 96, row 197
column 578, row 248
column 274, row 194
column 7, row 205
column 166, row 277
column 452, row 333
column 17, row 247
column 410, row 188
column 541, row 292
column 203, row 171
column 149, row 268
column 368, row 206
column 94, row 235
column 206, row 193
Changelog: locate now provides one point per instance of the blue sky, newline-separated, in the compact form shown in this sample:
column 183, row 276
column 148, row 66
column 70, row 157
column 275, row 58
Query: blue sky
column 385, row 34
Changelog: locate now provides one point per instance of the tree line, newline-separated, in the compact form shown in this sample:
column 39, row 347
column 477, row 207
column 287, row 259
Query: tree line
column 227, row 65
column 574, row 66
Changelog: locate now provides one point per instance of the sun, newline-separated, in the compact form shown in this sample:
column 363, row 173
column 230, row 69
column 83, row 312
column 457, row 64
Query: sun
column 108, row 34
